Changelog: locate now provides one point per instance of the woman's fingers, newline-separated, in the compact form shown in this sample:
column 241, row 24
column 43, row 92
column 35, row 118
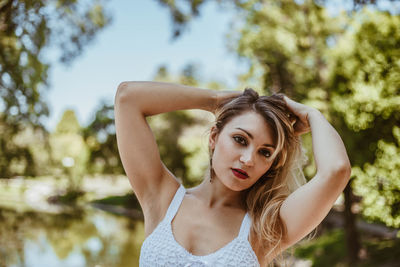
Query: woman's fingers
column 297, row 108
column 225, row 96
column 301, row 125
column 301, row 128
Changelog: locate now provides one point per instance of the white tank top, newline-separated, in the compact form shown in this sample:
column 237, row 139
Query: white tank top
column 161, row 249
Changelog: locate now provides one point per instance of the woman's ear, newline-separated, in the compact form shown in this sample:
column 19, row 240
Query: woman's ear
column 213, row 137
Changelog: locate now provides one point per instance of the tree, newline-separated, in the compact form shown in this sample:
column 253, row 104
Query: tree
column 12, row 154
column 349, row 70
column 291, row 43
column 27, row 29
column 367, row 97
column 101, row 139
column 179, row 134
column 334, row 64
column 183, row 11
column 69, row 151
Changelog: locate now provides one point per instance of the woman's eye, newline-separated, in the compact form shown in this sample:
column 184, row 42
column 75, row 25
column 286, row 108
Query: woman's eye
column 266, row 153
column 240, row 140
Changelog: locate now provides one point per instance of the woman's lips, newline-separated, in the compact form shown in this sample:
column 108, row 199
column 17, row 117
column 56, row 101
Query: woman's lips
column 240, row 173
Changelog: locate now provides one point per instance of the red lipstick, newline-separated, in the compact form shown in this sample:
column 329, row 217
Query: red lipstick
column 240, row 173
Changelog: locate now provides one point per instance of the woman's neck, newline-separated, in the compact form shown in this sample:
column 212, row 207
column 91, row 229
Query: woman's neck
column 216, row 195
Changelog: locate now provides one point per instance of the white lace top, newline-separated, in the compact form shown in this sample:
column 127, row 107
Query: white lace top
column 161, row 249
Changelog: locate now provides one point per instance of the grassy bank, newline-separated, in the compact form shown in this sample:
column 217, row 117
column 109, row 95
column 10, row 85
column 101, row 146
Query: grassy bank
column 329, row 250
column 128, row 201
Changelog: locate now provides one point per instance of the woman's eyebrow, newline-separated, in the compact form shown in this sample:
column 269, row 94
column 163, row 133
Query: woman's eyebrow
column 251, row 136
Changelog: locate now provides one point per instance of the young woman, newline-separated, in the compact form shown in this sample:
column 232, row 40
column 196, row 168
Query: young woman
column 247, row 210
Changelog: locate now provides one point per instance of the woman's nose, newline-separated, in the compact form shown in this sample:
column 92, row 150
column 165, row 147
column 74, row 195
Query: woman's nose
column 247, row 157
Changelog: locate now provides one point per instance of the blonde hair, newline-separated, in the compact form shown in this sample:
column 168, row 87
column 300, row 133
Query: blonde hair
column 264, row 199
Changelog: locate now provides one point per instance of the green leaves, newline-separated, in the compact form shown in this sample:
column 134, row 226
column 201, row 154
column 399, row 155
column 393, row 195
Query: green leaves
column 379, row 185
column 347, row 66
column 27, row 29
column 366, row 72
column 69, row 151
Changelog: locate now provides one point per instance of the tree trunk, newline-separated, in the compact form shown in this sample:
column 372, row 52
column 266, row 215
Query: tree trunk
column 352, row 239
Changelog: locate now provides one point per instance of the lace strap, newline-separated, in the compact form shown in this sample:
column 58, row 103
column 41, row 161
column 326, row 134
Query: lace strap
column 175, row 203
column 245, row 227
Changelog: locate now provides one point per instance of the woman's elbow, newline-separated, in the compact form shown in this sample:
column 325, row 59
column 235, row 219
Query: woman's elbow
column 127, row 92
column 343, row 169
column 121, row 91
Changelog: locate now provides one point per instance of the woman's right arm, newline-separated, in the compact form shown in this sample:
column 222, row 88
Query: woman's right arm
column 148, row 176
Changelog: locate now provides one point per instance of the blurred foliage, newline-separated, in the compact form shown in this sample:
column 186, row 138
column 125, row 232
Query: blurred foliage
column 170, row 131
column 69, row 150
column 346, row 65
column 184, row 133
column 183, row 11
column 27, row 29
column 287, row 41
column 379, row 184
column 127, row 201
column 366, row 81
column 365, row 76
column 25, row 153
column 15, row 158
column 328, row 250
column 101, row 140
column 168, row 128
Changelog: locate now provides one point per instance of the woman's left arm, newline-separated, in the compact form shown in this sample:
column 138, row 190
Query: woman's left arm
column 305, row 208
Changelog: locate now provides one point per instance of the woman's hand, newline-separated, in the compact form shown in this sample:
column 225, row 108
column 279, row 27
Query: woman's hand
column 301, row 125
column 222, row 97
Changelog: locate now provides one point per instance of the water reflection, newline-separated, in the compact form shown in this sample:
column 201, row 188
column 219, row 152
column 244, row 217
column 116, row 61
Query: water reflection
column 84, row 238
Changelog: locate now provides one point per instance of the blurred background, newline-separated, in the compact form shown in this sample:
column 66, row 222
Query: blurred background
column 64, row 197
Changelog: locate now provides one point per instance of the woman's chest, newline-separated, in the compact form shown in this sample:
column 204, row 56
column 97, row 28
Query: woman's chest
column 202, row 233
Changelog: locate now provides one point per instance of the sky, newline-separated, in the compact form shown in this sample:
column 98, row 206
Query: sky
column 136, row 43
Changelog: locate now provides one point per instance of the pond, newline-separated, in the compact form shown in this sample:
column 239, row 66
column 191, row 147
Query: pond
column 89, row 237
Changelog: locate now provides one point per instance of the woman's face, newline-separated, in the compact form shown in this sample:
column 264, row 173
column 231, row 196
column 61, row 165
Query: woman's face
column 246, row 143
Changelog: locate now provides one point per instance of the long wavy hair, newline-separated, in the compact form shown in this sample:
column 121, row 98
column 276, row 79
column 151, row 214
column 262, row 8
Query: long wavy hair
column 264, row 199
